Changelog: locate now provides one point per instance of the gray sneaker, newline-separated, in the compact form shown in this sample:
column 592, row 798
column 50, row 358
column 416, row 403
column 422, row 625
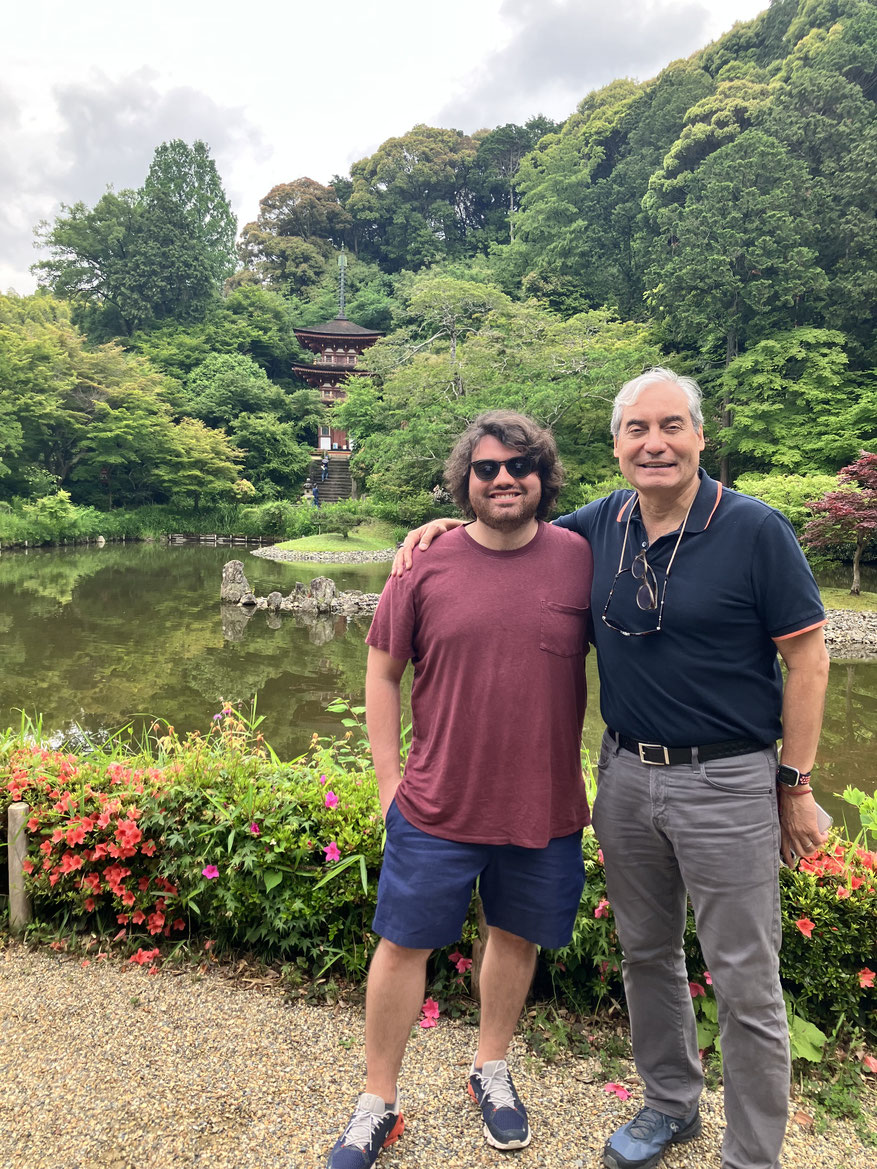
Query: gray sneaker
column 642, row 1142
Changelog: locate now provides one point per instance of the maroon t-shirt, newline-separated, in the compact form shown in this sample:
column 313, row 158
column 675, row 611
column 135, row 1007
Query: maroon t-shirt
column 498, row 643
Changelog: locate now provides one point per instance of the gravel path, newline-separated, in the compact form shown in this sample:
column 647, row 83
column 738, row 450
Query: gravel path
column 106, row 1067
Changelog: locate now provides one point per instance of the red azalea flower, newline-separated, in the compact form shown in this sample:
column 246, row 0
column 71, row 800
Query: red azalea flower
column 155, row 923
column 696, row 989
column 866, row 978
column 806, row 926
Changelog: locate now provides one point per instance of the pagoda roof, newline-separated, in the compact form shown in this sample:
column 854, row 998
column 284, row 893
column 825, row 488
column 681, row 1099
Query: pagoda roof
column 340, row 326
column 326, row 368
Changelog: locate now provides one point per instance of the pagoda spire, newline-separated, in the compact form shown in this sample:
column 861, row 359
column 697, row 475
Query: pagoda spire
column 342, row 267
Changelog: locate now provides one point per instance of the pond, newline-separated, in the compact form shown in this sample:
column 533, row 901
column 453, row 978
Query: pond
column 93, row 638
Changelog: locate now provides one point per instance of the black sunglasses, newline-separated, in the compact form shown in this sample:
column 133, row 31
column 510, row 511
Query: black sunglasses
column 519, row 467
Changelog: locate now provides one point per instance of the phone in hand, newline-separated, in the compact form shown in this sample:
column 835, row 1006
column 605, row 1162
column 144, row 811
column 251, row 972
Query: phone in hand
column 823, row 822
column 823, row 819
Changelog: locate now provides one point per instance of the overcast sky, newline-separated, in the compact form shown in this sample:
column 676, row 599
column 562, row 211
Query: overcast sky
column 282, row 90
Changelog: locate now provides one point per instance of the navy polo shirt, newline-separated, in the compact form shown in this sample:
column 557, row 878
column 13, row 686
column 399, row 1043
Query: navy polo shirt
column 739, row 579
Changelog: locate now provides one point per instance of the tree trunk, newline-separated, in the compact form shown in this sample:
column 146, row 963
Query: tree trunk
column 731, row 350
column 857, row 562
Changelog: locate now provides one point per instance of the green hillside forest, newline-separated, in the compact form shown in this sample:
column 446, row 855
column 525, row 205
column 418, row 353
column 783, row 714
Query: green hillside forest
column 718, row 218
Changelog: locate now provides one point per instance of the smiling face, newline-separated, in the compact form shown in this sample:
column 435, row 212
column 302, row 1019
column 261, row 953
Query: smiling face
column 505, row 503
column 657, row 447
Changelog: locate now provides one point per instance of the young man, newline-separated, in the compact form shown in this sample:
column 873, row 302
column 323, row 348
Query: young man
column 696, row 589
column 495, row 624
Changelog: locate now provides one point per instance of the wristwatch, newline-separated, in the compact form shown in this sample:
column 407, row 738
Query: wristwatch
column 791, row 776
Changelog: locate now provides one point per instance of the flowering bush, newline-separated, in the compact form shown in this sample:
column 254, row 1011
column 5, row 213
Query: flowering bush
column 829, row 907
column 209, row 834
column 89, row 853
column 213, row 835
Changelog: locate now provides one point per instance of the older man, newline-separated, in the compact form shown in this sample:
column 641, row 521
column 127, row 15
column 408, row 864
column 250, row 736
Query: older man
column 695, row 590
column 495, row 622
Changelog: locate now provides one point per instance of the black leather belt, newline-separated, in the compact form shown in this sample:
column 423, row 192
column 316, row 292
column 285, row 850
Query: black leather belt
column 658, row 755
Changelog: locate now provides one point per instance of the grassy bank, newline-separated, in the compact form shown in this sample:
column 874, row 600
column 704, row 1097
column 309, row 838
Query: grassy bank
column 370, row 536
column 843, row 599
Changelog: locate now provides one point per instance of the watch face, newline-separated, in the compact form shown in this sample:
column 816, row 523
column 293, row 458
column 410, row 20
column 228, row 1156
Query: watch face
column 790, row 776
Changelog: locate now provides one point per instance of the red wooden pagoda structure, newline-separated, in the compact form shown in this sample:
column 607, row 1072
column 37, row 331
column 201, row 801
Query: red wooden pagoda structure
column 338, row 344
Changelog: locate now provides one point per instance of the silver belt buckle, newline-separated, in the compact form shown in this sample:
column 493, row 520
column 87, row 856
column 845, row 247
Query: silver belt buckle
column 654, row 747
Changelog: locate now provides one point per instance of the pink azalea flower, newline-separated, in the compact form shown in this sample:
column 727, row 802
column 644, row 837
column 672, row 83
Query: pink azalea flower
column 455, row 957
column 618, row 1090
column 463, row 964
column 866, row 977
column 255, row 829
column 870, row 1063
column 696, row 989
column 806, row 926
column 322, row 779
column 210, row 872
column 428, row 1023
column 331, row 851
column 430, row 1009
column 708, row 978
column 602, row 909
column 331, row 800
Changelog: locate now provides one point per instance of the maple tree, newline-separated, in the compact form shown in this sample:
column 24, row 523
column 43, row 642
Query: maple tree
column 849, row 513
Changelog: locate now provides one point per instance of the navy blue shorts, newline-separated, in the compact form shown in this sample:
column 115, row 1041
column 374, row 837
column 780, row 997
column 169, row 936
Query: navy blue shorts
column 426, row 885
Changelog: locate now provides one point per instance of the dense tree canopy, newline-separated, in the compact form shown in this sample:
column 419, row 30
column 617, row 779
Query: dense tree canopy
column 719, row 218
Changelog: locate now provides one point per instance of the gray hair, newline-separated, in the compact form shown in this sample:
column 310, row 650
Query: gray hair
column 631, row 390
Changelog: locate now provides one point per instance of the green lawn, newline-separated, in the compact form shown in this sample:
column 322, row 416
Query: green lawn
column 842, row 599
column 370, row 536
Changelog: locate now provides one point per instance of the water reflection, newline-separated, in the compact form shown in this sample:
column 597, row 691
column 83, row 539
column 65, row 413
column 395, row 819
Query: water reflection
column 94, row 637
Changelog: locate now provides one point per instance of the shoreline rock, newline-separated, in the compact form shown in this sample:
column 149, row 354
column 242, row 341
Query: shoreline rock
column 850, row 635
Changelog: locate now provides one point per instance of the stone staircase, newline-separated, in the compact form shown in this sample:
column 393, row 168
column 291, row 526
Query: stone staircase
column 339, row 485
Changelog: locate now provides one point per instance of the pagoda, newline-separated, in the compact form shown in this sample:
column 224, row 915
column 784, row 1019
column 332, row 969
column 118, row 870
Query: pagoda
column 337, row 344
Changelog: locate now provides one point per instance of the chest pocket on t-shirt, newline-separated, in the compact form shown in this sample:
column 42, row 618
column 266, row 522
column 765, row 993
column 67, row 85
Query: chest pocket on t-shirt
column 563, row 630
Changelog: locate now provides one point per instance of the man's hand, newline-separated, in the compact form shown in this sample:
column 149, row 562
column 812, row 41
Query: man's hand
column 799, row 832
column 421, row 538
column 386, row 792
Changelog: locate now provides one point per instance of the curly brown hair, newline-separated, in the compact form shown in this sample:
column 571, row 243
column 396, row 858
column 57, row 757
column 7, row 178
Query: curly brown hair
column 518, row 432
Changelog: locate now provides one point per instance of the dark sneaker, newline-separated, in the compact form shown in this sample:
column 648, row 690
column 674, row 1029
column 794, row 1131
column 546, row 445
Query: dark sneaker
column 642, row 1142
column 372, row 1127
column 505, row 1117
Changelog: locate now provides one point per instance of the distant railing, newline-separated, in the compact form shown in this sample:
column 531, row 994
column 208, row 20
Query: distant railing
column 198, row 538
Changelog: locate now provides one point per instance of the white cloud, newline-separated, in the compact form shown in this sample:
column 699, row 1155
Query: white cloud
column 284, row 89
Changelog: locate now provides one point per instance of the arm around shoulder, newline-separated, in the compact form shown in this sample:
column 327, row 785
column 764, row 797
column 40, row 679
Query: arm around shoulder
column 421, row 538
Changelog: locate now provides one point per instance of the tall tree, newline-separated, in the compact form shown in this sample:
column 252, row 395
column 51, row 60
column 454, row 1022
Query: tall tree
column 143, row 256
column 188, row 230
column 737, row 263
column 292, row 242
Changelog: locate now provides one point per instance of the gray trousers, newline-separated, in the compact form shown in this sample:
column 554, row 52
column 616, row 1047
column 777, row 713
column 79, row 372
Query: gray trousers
column 710, row 829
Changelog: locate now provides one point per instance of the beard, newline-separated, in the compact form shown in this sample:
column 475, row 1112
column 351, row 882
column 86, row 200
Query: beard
column 506, row 517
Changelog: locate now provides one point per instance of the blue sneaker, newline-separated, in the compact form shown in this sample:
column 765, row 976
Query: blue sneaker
column 372, row 1127
column 505, row 1117
column 642, row 1142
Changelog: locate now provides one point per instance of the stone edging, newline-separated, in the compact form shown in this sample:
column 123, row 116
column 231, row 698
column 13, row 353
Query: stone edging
column 383, row 555
column 850, row 635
